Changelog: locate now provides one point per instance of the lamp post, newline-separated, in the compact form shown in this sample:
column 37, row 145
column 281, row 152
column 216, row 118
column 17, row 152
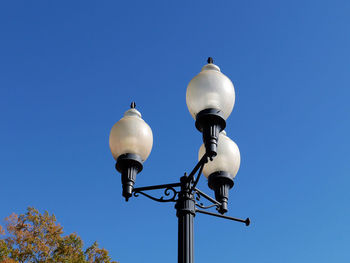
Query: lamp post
column 210, row 99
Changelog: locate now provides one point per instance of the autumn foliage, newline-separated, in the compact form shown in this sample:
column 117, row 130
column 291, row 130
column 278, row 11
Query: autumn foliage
column 37, row 238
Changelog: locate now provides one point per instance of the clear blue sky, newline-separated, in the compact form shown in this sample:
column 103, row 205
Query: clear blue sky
column 69, row 70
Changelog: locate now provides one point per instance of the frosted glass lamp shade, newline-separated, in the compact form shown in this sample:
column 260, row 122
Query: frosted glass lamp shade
column 131, row 135
column 210, row 89
column 227, row 160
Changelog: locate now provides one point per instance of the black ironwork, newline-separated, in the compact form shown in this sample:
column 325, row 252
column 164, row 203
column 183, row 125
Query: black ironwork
column 246, row 221
column 155, row 187
column 167, row 192
column 198, row 194
column 187, row 197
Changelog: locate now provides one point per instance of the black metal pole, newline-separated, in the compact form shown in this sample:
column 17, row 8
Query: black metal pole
column 185, row 207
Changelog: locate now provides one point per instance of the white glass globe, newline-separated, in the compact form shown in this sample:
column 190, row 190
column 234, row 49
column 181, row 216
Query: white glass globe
column 227, row 159
column 131, row 134
column 210, row 89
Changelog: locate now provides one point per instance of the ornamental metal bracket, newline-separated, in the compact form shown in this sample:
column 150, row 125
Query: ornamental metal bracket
column 199, row 194
column 170, row 192
column 172, row 195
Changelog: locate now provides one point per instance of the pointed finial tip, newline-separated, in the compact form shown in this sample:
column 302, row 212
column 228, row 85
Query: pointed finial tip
column 133, row 105
column 210, row 60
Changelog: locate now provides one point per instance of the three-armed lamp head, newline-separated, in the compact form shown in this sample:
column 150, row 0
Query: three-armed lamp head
column 222, row 169
column 131, row 143
column 210, row 98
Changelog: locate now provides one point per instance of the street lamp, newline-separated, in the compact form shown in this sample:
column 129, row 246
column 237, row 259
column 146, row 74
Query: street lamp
column 210, row 99
column 131, row 141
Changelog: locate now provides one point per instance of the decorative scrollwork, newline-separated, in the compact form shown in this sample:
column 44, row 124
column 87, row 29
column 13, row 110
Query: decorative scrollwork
column 170, row 192
column 197, row 196
column 201, row 205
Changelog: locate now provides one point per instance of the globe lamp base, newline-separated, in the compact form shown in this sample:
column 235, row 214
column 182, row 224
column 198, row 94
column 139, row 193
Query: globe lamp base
column 129, row 165
column 221, row 183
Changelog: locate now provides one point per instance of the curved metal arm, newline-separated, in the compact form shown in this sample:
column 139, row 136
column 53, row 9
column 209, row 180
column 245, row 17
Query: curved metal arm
column 155, row 187
column 169, row 192
column 200, row 205
column 198, row 176
column 200, row 166
column 198, row 194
